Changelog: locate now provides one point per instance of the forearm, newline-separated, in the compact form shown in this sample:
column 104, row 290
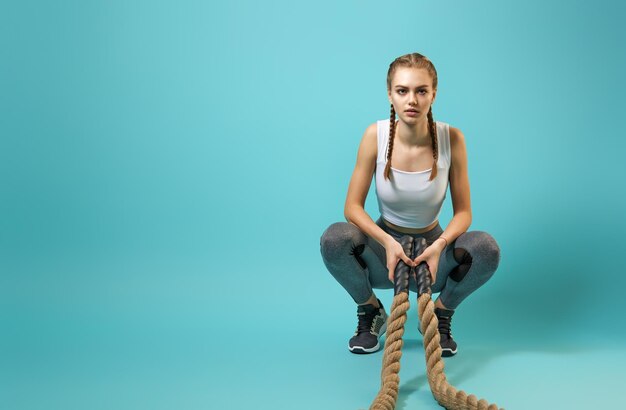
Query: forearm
column 356, row 215
column 460, row 223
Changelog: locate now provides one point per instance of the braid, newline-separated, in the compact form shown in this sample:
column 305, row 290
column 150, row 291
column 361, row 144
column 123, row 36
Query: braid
column 433, row 138
column 392, row 134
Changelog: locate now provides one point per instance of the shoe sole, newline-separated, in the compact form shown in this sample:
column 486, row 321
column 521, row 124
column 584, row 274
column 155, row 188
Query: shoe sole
column 364, row 350
column 448, row 352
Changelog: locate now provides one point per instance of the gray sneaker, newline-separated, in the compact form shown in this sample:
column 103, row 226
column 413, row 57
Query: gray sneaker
column 372, row 325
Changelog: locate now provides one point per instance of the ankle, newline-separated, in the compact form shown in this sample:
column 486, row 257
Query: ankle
column 440, row 305
column 373, row 300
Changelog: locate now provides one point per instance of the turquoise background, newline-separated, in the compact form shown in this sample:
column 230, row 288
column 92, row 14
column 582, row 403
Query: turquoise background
column 167, row 169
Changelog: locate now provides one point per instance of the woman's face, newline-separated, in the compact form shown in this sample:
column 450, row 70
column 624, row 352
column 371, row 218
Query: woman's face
column 411, row 88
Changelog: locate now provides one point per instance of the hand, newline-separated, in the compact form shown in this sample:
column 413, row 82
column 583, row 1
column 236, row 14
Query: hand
column 395, row 253
column 431, row 256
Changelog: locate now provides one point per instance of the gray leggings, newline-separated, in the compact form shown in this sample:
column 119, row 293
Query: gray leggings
column 359, row 262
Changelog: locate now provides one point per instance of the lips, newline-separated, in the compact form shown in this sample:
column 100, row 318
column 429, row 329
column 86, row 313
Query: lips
column 410, row 111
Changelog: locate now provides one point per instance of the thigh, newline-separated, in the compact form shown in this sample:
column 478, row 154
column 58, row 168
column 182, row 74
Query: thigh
column 471, row 247
column 375, row 257
column 343, row 242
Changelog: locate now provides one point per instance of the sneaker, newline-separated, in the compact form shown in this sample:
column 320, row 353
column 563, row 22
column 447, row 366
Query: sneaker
column 448, row 345
column 372, row 325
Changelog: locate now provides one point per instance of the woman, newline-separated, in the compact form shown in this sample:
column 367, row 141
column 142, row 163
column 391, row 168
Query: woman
column 413, row 160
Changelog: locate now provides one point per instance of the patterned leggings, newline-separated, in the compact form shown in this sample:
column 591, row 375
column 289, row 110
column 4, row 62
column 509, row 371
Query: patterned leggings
column 359, row 263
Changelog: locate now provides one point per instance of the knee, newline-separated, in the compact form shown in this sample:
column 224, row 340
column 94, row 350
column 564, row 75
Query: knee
column 480, row 246
column 340, row 236
column 488, row 250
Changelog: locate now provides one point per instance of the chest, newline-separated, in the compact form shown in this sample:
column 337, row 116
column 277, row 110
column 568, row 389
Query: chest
column 414, row 159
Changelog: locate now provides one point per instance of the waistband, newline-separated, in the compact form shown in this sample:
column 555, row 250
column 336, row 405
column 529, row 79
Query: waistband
column 430, row 236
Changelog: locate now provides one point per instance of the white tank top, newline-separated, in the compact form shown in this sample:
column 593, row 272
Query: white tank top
column 409, row 199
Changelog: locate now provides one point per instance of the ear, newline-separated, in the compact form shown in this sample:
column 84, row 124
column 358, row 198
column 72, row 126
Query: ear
column 389, row 96
column 434, row 96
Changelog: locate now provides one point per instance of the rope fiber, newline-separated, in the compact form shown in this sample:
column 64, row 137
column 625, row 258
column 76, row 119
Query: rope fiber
column 445, row 394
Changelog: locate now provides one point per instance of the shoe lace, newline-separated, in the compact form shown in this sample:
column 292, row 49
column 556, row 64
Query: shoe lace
column 365, row 322
column 445, row 325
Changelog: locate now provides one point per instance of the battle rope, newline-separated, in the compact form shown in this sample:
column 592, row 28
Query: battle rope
column 445, row 394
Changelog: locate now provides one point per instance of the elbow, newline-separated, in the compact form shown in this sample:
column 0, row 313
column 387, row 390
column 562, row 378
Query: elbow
column 348, row 212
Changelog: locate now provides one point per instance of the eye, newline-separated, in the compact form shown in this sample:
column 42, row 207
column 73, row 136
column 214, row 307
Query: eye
column 423, row 91
column 401, row 91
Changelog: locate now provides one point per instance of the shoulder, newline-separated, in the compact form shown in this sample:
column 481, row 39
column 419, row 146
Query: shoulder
column 372, row 130
column 370, row 137
column 457, row 139
column 369, row 142
column 457, row 146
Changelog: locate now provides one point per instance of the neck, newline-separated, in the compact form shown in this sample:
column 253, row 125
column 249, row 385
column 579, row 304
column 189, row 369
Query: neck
column 416, row 133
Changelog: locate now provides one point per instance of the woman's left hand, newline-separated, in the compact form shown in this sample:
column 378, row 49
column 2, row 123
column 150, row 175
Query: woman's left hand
column 431, row 257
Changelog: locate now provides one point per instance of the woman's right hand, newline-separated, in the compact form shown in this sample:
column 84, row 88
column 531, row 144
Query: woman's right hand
column 395, row 253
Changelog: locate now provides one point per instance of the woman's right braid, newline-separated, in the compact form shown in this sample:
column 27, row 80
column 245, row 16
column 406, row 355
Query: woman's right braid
column 392, row 134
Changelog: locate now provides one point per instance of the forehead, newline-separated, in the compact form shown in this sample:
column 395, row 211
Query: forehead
column 411, row 77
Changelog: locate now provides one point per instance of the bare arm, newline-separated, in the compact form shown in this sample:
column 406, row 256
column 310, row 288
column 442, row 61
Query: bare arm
column 460, row 190
column 354, row 210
